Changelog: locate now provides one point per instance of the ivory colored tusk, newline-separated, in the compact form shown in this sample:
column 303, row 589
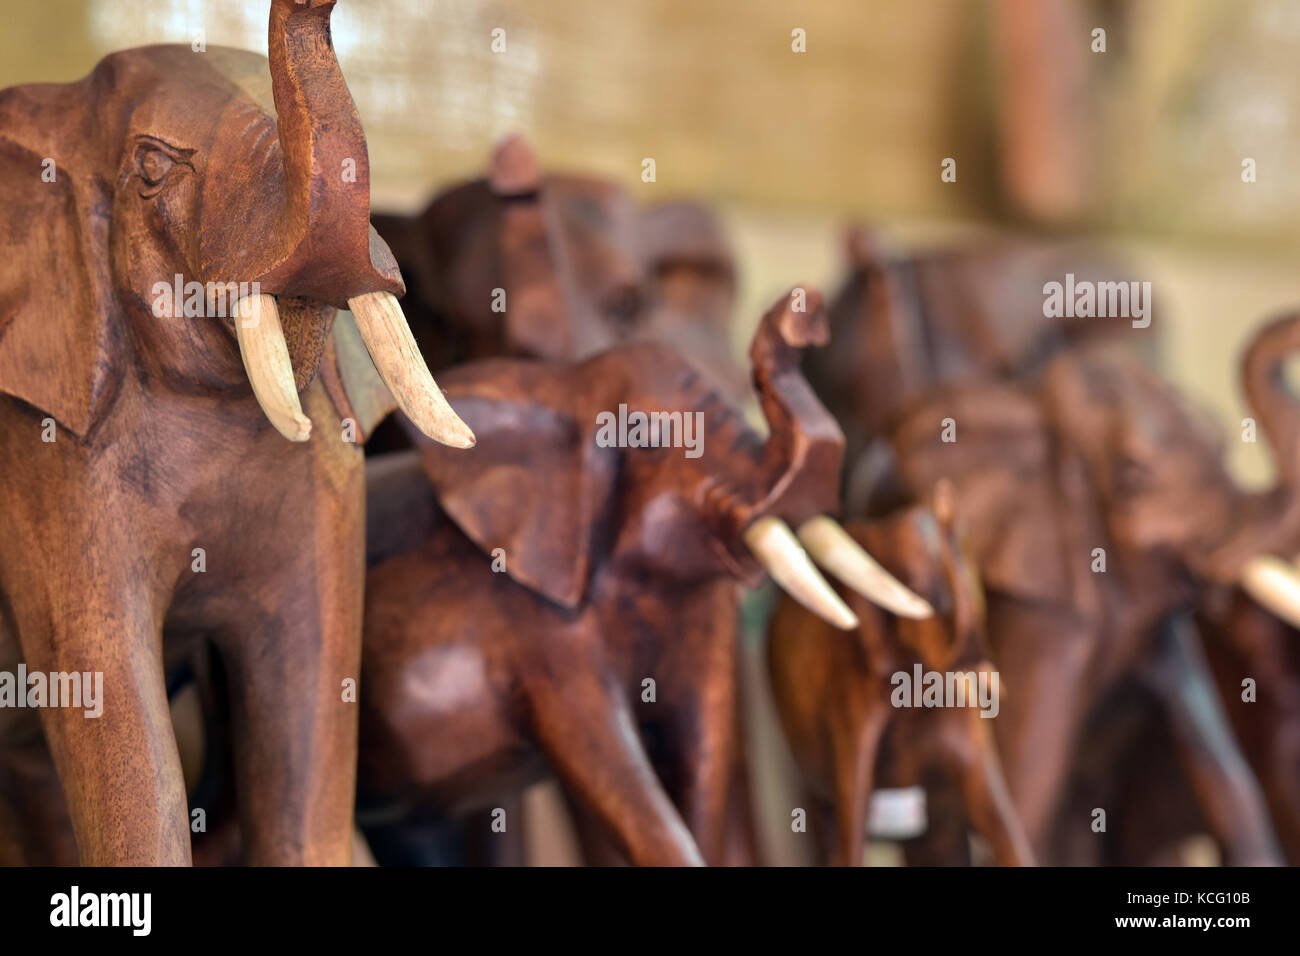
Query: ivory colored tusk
column 266, row 360
column 835, row 550
column 779, row 551
column 390, row 343
column 1275, row 584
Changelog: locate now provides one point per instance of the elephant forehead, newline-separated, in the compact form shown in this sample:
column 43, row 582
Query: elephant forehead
column 187, row 92
column 249, row 72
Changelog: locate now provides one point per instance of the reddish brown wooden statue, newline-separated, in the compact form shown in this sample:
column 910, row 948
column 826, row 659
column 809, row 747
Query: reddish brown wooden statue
column 969, row 312
column 846, row 698
column 571, row 599
column 1243, row 673
column 148, row 489
column 1098, row 507
column 561, row 266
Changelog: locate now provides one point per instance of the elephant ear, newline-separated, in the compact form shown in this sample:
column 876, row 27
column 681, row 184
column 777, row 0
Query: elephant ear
column 536, row 485
column 62, row 346
column 1005, row 471
column 352, row 381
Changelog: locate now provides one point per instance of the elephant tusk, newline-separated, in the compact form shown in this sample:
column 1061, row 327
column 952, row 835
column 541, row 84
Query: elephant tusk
column 835, row 550
column 390, row 343
column 1275, row 584
column 779, row 551
column 266, row 361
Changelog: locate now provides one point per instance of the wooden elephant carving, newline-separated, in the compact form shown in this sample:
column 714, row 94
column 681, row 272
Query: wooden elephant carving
column 567, row 596
column 166, row 323
column 845, row 698
column 1099, row 507
column 964, row 313
column 1245, row 672
column 563, row 266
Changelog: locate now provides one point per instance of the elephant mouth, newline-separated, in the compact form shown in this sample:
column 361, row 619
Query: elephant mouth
column 263, row 331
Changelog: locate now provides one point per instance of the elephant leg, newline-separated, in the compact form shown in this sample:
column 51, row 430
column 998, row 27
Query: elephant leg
column 945, row 841
column 978, row 770
column 586, row 729
column 1044, row 664
column 854, row 742
column 1225, row 786
column 592, row 835
column 293, row 680
column 295, row 735
column 120, row 771
column 704, row 751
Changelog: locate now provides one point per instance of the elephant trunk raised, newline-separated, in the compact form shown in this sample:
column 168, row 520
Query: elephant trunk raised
column 797, row 475
column 1268, row 522
column 309, row 217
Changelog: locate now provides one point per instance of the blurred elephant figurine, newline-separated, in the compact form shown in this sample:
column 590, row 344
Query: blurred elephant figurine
column 1244, row 670
column 566, row 597
column 969, row 312
column 1099, row 507
column 562, row 266
column 845, row 699
column 181, row 236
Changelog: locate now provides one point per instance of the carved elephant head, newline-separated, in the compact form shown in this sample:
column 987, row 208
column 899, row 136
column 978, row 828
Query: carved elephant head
column 201, row 217
column 566, row 477
column 581, row 268
column 971, row 311
column 1103, row 453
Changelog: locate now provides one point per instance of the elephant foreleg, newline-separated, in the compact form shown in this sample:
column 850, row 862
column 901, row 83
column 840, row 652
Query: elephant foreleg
column 294, row 721
column 587, row 731
column 988, row 801
column 1225, row 786
column 293, row 682
column 1044, row 664
column 120, row 771
column 854, row 743
column 704, row 750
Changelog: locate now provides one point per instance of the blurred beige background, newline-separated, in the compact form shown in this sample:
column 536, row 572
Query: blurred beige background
column 1141, row 146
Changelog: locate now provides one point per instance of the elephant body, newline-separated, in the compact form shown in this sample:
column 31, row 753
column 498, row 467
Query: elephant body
column 285, row 613
column 835, row 692
column 1098, row 505
column 552, row 574
column 474, row 689
column 149, row 489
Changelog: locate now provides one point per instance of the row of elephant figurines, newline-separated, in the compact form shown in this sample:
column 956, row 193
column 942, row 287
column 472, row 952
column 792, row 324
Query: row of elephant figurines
column 464, row 700
column 154, row 511
column 130, row 443
column 1066, row 441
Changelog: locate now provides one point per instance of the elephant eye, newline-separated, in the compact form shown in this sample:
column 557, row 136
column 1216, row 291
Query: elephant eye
column 154, row 163
column 154, row 166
